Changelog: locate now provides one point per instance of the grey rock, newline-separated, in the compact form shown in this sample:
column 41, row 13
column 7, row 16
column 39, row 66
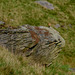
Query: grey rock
column 41, row 43
column 72, row 69
column 57, row 25
column 46, row 4
column 70, row 25
column 2, row 23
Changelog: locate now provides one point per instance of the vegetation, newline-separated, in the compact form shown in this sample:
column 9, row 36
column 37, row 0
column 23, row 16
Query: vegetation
column 20, row 12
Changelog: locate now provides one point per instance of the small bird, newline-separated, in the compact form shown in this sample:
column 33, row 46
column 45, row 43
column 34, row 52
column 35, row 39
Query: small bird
column 49, row 24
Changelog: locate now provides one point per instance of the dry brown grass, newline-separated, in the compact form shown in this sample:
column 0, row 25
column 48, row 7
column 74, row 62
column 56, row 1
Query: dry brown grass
column 19, row 12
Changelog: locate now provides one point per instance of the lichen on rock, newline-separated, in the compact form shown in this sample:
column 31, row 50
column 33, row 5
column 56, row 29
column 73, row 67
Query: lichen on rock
column 41, row 43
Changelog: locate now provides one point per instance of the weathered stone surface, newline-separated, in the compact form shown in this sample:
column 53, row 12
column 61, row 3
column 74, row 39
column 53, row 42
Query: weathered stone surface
column 41, row 43
column 46, row 4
